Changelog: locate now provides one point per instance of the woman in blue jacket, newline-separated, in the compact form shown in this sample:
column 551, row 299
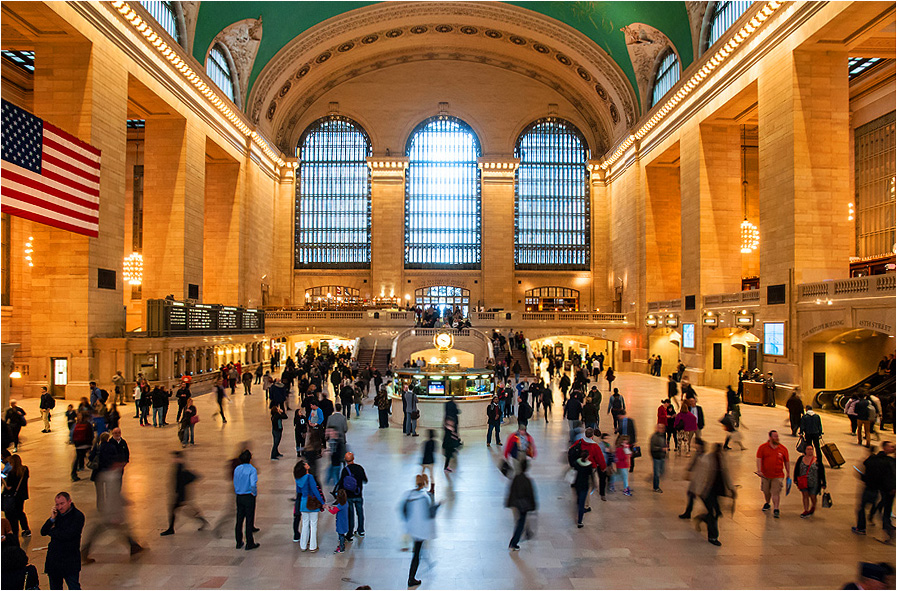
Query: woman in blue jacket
column 307, row 492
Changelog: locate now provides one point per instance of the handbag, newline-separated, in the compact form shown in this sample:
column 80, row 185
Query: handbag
column 194, row 419
column 570, row 476
column 415, row 414
column 313, row 504
column 827, row 500
column 7, row 499
column 636, row 451
column 803, row 482
column 801, row 445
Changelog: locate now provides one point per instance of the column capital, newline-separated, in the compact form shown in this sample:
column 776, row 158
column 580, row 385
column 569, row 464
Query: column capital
column 597, row 172
column 498, row 169
column 388, row 168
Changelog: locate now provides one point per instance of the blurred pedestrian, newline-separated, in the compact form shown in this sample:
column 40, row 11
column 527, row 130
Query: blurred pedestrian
column 713, row 481
column 658, row 454
column 419, row 512
column 522, row 500
column 15, row 489
column 450, row 443
column 878, row 479
column 182, row 480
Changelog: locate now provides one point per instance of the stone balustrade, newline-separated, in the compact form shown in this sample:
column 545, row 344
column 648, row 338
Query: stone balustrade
column 842, row 289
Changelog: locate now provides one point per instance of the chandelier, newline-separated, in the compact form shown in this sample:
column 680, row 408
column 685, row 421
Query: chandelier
column 133, row 268
column 750, row 234
column 750, row 237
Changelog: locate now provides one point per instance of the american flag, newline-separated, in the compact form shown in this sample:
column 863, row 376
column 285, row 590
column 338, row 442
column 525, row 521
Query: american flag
column 49, row 176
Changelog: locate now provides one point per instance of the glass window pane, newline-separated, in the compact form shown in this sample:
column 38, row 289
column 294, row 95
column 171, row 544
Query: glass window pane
column 724, row 16
column 333, row 196
column 667, row 76
column 552, row 213
column 219, row 71
column 442, row 196
column 163, row 12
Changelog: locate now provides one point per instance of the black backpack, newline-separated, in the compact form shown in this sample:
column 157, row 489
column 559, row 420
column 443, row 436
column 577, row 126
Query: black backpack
column 574, row 453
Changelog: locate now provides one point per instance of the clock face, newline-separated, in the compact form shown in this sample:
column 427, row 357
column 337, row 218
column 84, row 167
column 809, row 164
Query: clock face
column 443, row 341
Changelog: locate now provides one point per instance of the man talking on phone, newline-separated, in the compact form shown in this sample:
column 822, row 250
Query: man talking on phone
column 64, row 551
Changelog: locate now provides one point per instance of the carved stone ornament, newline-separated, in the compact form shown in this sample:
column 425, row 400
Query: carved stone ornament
column 190, row 10
column 644, row 44
column 444, row 20
column 696, row 13
column 242, row 40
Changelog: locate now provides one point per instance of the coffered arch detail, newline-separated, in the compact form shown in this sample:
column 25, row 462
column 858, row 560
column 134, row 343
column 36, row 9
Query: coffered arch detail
column 494, row 34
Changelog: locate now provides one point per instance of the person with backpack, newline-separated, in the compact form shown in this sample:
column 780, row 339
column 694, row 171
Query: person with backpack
column 864, row 411
column 352, row 480
column 616, row 405
column 418, row 511
column 47, row 403
column 520, row 445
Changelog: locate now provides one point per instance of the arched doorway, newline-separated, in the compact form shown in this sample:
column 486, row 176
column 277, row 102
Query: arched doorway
column 443, row 297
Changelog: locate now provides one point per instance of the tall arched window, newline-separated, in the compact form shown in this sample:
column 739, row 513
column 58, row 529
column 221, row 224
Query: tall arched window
column 724, row 15
column 551, row 209
column 442, row 196
column 218, row 69
column 333, row 196
column 166, row 15
column 667, row 75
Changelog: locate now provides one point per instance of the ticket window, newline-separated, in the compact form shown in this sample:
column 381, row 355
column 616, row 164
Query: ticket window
column 59, row 376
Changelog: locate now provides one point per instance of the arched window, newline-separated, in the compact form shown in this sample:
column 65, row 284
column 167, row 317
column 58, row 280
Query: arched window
column 333, row 196
column 218, row 69
column 724, row 15
column 166, row 15
column 559, row 299
column 442, row 196
column 667, row 76
column 551, row 209
column 442, row 297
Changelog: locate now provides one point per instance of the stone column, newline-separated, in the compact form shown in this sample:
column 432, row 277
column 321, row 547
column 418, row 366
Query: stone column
column 497, row 242
column 222, row 235
column 173, row 210
column 8, row 350
column 388, row 224
column 602, row 292
column 81, row 89
column 284, row 228
column 803, row 151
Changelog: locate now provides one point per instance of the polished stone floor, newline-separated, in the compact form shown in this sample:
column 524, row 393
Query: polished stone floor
column 628, row 543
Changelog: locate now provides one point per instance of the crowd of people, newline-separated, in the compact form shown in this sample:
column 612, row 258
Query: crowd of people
column 602, row 451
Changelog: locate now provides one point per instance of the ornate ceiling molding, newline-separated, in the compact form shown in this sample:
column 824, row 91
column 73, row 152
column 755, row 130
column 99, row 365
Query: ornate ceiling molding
column 645, row 44
column 242, row 41
column 599, row 121
column 530, row 37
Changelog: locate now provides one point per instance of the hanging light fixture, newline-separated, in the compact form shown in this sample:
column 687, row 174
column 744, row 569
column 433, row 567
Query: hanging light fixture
column 29, row 249
column 750, row 235
column 133, row 268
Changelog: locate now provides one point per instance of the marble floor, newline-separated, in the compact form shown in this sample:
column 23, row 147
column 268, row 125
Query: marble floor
column 628, row 543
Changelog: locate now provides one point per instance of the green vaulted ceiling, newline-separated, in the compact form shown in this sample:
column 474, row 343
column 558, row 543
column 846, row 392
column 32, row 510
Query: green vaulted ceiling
column 599, row 21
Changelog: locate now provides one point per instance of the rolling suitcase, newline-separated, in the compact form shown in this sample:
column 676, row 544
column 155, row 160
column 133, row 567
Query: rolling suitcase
column 832, row 455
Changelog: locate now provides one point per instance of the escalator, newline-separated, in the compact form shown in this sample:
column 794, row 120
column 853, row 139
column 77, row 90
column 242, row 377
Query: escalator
column 881, row 386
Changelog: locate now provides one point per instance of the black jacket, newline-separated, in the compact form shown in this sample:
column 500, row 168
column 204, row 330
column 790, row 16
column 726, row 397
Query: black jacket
column 494, row 413
column 64, row 550
column 524, row 411
column 879, row 472
column 521, row 495
column 630, row 429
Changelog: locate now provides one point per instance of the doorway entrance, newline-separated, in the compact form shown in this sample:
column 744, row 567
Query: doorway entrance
column 59, row 376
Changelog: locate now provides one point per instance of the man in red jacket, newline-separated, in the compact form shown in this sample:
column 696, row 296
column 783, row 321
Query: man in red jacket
column 596, row 457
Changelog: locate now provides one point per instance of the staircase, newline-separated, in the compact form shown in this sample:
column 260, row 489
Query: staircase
column 525, row 369
column 378, row 357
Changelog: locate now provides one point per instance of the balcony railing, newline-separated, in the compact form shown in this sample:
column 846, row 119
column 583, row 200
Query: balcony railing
column 403, row 318
column 842, row 289
column 738, row 298
column 665, row 305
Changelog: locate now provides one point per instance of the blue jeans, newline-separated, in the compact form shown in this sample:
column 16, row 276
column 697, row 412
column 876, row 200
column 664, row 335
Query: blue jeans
column 658, row 470
column 581, row 495
column 357, row 409
column 157, row 415
column 333, row 474
column 356, row 506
